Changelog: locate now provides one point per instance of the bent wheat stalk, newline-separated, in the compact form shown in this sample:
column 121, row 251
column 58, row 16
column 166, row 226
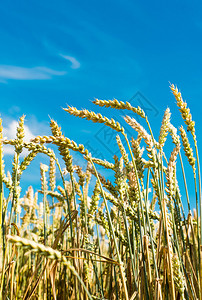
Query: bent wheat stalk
column 48, row 252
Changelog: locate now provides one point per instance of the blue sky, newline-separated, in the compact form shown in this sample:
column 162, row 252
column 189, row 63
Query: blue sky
column 54, row 53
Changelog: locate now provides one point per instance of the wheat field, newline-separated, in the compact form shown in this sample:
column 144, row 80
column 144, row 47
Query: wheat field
column 133, row 237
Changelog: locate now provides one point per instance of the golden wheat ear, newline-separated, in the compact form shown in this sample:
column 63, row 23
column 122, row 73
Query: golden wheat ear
column 120, row 105
column 96, row 118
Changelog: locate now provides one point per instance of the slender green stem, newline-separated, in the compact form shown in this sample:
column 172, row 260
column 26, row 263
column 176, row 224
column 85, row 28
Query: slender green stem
column 143, row 257
column 44, row 209
column 112, row 230
column 149, row 226
column 99, row 249
column 137, row 178
column 199, row 184
column 67, row 197
column 129, row 243
column 185, row 182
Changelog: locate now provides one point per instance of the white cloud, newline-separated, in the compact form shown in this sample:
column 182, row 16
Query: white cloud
column 75, row 64
column 21, row 73
column 8, row 150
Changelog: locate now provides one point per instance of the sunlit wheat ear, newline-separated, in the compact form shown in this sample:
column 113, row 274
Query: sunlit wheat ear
column 64, row 151
column 55, row 129
column 120, row 177
column 86, row 272
column 138, row 152
column 52, row 171
column 15, row 179
column 39, row 148
column 77, row 189
column 29, row 199
column 187, row 148
column 105, row 182
column 81, row 175
column 94, row 201
column 174, row 135
column 96, row 118
column 44, row 184
column 151, row 151
column 27, row 161
column 115, row 201
column 133, row 187
column 123, row 152
column 67, row 157
column 81, row 198
column 88, row 173
column 104, row 163
column 101, row 218
column 38, row 248
column 135, row 125
column 58, row 196
column 170, row 172
column 29, row 202
column 185, row 112
column 164, row 128
column 61, row 141
column 20, row 135
column 7, row 180
column 178, row 276
column 120, row 105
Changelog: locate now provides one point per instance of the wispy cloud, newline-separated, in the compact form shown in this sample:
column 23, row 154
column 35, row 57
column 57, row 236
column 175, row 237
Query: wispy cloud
column 75, row 64
column 20, row 73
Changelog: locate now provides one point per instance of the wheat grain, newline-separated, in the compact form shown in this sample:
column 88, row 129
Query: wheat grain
column 187, row 148
column 164, row 128
column 120, row 105
column 96, row 118
column 186, row 115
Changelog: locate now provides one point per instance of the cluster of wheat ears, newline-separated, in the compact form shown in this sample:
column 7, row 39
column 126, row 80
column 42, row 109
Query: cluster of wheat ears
column 129, row 238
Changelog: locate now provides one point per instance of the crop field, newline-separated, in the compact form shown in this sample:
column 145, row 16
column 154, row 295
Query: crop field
column 93, row 237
